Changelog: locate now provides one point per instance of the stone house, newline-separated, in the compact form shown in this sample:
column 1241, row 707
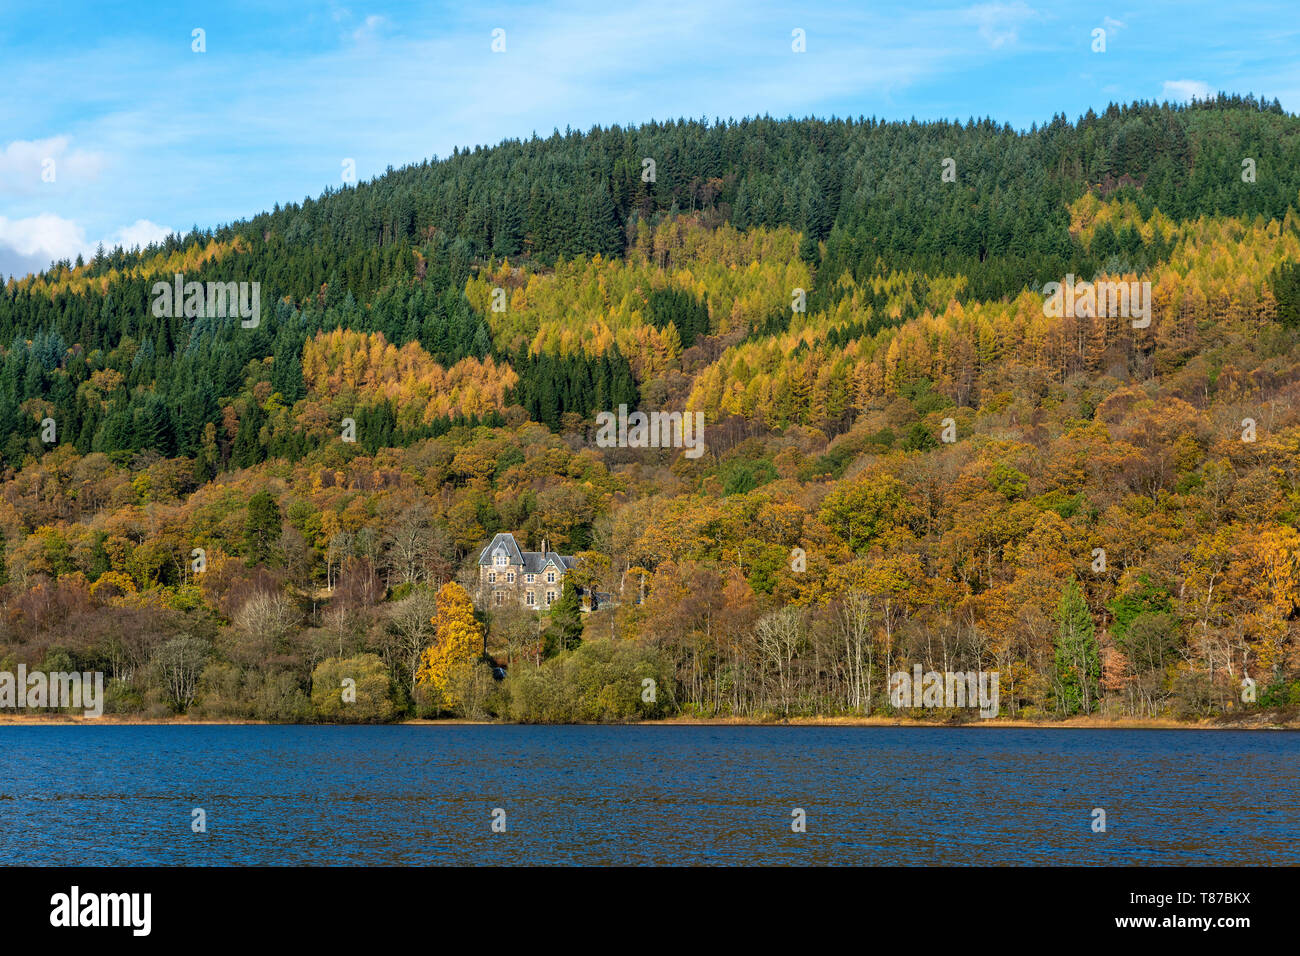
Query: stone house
column 533, row 579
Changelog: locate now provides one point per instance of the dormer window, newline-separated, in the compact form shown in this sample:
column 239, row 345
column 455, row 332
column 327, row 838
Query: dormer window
column 501, row 560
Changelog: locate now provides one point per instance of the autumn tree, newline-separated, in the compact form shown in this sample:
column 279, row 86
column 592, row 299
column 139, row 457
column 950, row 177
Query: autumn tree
column 457, row 644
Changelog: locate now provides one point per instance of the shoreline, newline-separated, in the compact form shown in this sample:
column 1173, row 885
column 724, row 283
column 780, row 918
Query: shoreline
column 1272, row 720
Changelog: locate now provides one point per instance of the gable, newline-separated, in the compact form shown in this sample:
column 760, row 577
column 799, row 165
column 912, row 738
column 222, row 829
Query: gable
column 503, row 544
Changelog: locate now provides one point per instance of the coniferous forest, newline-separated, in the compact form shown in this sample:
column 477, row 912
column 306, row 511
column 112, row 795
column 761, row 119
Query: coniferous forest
column 908, row 459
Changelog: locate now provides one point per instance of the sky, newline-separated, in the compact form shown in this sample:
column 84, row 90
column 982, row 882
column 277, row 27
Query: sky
column 114, row 128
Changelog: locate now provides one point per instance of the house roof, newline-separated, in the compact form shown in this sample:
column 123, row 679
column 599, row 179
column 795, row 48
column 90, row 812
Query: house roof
column 533, row 562
column 504, row 541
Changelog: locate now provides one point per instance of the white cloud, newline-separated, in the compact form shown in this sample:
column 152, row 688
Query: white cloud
column 27, row 166
column 31, row 244
column 1110, row 23
column 998, row 24
column 369, row 29
column 43, row 233
column 139, row 233
column 1183, row 90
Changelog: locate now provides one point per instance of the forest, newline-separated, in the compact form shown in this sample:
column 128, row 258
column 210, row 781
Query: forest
column 908, row 459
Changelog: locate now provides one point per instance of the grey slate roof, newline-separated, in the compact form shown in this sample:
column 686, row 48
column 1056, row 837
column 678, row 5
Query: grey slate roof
column 532, row 561
column 505, row 541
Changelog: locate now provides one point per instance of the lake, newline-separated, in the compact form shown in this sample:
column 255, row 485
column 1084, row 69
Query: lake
column 419, row 795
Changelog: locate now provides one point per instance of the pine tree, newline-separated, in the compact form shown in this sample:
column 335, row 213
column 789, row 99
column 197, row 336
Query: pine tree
column 262, row 529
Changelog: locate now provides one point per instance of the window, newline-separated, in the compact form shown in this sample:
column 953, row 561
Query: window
column 550, row 598
column 529, row 578
column 550, row 577
column 510, row 577
column 492, row 577
column 497, row 596
column 501, row 560
column 532, row 599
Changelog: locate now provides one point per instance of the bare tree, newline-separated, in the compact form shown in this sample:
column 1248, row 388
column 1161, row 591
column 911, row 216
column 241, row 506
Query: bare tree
column 780, row 634
column 853, row 621
column 416, row 544
column 180, row 662
column 411, row 619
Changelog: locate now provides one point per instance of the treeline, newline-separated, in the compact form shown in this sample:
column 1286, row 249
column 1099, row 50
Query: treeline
column 393, row 255
column 871, row 189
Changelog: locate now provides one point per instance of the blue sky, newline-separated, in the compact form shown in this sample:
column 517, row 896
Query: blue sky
column 147, row 136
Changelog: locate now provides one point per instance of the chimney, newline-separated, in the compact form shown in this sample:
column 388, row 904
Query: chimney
column 544, row 549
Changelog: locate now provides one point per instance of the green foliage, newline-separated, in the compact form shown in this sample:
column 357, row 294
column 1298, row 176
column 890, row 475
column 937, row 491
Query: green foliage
column 1144, row 597
column 920, row 438
column 1008, row 482
column 1280, row 693
column 352, row 690
column 923, row 397
column 1065, row 505
column 1078, row 662
column 551, row 387
column 741, row 476
column 564, row 630
column 860, row 512
column 1285, row 282
column 262, row 529
column 603, row 680
column 1150, row 640
column 688, row 314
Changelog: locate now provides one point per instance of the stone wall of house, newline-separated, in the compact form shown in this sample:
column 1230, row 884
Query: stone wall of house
column 501, row 585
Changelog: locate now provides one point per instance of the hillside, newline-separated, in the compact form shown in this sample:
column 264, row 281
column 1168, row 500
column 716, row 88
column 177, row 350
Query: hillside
column 1113, row 526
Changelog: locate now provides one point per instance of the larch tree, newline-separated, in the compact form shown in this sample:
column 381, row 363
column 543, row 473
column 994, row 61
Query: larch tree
column 457, row 644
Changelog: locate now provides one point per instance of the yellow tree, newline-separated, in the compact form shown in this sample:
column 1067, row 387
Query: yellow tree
column 457, row 643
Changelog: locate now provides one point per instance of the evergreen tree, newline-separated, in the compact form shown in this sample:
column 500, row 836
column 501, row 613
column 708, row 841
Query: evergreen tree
column 1286, row 290
column 262, row 529
column 1078, row 662
column 564, row 632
